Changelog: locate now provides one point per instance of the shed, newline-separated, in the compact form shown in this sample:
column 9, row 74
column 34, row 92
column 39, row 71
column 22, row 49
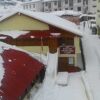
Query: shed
column 42, row 29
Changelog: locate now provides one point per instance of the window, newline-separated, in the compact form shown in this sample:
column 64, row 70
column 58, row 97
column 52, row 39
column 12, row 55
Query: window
column 49, row 5
column 66, row 41
column 70, row 60
column 66, row 1
column 46, row 4
column 79, row 8
column 94, row 6
column 55, row 3
column 71, row 8
column 55, row 9
column 26, row 6
column 30, row 6
column 33, row 5
column 66, row 8
column 59, row 4
column 78, row 1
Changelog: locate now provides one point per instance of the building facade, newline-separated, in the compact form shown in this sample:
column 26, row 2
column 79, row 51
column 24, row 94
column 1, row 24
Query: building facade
column 92, row 6
column 35, row 5
column 84, row 6
column 98, row 16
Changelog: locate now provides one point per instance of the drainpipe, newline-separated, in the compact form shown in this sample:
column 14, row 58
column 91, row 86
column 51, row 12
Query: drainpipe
column 82, row 54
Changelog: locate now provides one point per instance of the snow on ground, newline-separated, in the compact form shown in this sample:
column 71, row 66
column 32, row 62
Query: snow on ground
column 85, row 27
column 50, row 90
column 92, row 55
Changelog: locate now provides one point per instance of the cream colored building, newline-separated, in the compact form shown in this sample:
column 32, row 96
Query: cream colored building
column 39, row 24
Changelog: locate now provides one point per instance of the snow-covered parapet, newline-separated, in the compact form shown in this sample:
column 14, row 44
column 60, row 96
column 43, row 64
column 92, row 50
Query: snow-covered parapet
column 66, row 12
column 92, row 58
column 52, row 65
column 62, row 78
column 89, row 46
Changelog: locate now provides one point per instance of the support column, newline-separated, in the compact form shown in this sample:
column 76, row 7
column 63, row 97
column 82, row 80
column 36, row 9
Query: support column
column 53, row 44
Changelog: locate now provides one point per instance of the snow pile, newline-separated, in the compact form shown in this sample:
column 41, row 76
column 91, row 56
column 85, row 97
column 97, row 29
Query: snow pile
column 51, row 91
column 1, row 66
column 85, row 28
column 62, row 78
column 66, row 12
column 87, row 86
column 90, row 47
column 14, row 34
column 50, row 76
column 52, row 65
column 92, row 55
column 40, row 57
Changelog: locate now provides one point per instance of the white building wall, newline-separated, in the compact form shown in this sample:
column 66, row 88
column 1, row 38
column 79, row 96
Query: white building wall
column 46, row 6
column 49, row 5
column 33, row 6
column 54, row 6
column 92, row 6
column 78, row 6
column 64, row 5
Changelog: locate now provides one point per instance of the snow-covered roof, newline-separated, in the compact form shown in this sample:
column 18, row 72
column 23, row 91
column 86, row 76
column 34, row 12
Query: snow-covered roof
column 88, row 15
column 49, row 0
column 14, row 34
column 49, row 19
column 31, row 1
column 66, row 12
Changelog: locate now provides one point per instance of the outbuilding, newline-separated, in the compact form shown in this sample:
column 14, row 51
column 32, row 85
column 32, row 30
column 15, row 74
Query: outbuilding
column 42, row 32
column 20, row 72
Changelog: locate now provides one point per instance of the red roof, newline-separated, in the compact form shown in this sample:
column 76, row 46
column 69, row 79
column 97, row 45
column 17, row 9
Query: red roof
column 20, row 70
column 35, row 34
